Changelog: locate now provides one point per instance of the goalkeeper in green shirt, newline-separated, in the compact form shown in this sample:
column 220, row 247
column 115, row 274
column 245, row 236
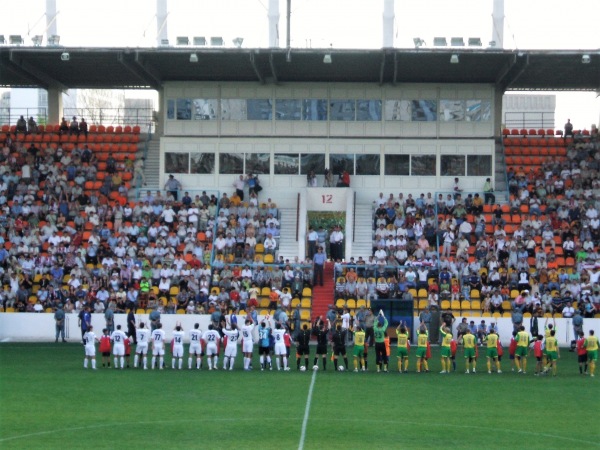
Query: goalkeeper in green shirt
column 380, row 329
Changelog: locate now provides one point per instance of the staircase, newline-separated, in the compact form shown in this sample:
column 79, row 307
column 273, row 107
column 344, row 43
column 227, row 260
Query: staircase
column 288, row 246
column 323, row 295
column 500, row 187
column 152, row 164
column 363, row 231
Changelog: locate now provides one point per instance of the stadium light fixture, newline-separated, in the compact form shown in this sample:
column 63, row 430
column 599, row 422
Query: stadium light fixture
column 164, row 42
column 238, row 41
column 53, row 40
column 64, row 56
column 418, row 42
column 439, row 42
column 216, row 41
column 492, row 44
column 37, row 40
column 183, row 40
column 2, row 40
column 327, row 58
column 454, row 59
column 193, row 58
column 457, row 42
column 585, row 59
column 474, row 42
column 15, row 39
column 199, row 41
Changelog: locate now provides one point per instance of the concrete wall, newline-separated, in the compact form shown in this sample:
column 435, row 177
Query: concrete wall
column 21, row 327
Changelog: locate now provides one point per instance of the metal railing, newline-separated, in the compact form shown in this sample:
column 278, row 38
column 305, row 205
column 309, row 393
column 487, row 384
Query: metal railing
column 9, row 116
column 529, row 119
column 142, row 117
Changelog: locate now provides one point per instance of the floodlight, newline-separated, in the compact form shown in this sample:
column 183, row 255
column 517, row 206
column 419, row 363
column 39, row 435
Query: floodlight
column 37, row 40
column 15, row 39
column 53, row 39
column 238, row 41
column 327, row 58
column 216, row 41
column 492, row 44
column 183, row 40
column 418, row 42
column 199, row 40
column 193, row 58
column 457, row 42
column 439, row 42
column 585, row 59
column 2, row 40
column 474, row 42
column 64, row 56
column 164, row 42
column 454, row 59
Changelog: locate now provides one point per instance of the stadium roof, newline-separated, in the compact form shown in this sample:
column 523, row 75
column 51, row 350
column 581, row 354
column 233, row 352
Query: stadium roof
column 139, row 68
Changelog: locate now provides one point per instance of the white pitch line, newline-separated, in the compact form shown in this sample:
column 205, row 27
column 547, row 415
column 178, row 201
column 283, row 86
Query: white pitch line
column 307, row 410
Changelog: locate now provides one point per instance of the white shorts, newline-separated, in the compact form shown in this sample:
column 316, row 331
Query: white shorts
column 280, row 349
column 158, row 350
column 211, row 350
column 142, row 348
column 195, row 349
column 119, row 350
column 231, row 352
column 90, row 350
column 178, row 351
column 248, row 346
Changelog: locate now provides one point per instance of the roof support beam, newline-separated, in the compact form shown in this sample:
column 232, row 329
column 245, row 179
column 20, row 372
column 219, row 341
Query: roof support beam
column 505, row 70
column 382, row 68
column 522, row 63
column 395, row 78
column 272, row 65
column 255, row 68
column 34, row 73
column 147, row 73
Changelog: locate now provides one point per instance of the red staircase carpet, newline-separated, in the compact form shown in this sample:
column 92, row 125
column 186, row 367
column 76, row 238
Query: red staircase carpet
column 323, row 295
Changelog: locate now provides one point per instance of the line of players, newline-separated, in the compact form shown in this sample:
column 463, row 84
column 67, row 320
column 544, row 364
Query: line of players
column 278, row 341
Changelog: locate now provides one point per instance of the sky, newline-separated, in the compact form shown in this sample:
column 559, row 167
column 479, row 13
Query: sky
column 529, row 24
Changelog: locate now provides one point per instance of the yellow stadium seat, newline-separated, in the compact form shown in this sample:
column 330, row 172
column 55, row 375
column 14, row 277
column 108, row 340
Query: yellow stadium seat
column 445, row 304
column 475, row 304
column 422, row 293
column 295, row 302
column 140, row 311
column 361, row 302
column 506, row 305
column 475, row 294
column 264, row 302
column 181, row 311
column 340, row 303
column 422, row 304
column 351, row 303
column 174, row 290
column 306, row 302
column 305, row 314
column 10, row 310
column 307, row 292
column 465, row 305
column 268, row 259
column 455, row 305
column 413, row 292
column 260, row 248
column 266, row 291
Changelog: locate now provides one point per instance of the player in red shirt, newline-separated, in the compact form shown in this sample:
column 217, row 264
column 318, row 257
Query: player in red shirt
column 512, row 348
column 582, row 354
column 105, row 347
column 127, row 350
column 538, row 352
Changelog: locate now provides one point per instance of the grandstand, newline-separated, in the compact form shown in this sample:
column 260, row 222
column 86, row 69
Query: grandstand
column 398, row 122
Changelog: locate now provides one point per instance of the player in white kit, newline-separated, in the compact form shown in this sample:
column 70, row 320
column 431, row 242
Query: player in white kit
column 158, row 346
column 212, row 338
column 118, row 338
column 247, row 343
column 142, row 335
column 280, row 350
column 90, row 339
column 177, row 360
column 195, row 347
column 231, row 347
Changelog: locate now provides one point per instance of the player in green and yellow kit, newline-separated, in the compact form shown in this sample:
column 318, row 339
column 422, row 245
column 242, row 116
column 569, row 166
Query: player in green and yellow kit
column 359, row 349
column 446, row 353
column 469, row 342
column 522, row 350
column 591, row 345
column 422, row 341
column 547, row 330
column 402, row 333
column 492, row 350
column 552, row 351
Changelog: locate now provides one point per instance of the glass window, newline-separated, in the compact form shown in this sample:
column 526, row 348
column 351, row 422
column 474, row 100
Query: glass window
column 452, row 165
column 184, row 109
column 259, row 109
column 478, row 110
column 231, row 163
column 233, row 109
column 286, row 164
column 314, row 109
column 398, row 110
column 171, row 109
column 340, row 162
column 397, row 165
column 258, row 163
column 202, row 163
column 205, row 109
column 479, row 165
column 312, row 161
column 342, row 110
column 424, row 110
column 423, row 165
column 288, row 109
column 177, row 162
column 368, row 110
column 452, row 110
column 368, row 165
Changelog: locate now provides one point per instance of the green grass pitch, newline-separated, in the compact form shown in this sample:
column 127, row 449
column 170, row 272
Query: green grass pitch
column 47, row 400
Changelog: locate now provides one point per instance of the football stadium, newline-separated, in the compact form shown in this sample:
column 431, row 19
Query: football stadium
column 285, row 245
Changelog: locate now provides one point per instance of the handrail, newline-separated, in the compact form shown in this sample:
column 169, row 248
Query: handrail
column 354, row 218
column 10, row 115
column 298, row 217
column 529, row 119
column 113, row 116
